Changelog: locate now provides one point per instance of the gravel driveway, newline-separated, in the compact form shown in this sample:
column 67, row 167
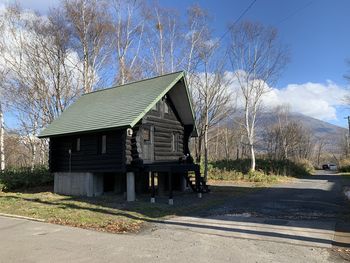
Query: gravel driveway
column 298, row 221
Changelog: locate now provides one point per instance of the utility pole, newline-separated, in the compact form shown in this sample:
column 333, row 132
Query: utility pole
column 2, row 133
column 348, row 136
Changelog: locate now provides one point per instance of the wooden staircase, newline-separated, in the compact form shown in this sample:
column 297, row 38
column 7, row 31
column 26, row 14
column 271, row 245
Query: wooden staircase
column 196, row 182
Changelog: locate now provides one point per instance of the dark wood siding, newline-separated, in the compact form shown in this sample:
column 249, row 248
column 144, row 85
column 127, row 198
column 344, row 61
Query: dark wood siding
column 89, row 158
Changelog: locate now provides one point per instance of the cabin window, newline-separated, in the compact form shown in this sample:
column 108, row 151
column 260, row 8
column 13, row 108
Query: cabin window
column 104, row 144
column 166, row 107
column 146, row 134
column 175, row 142
column 77, row 148
column 76, row 145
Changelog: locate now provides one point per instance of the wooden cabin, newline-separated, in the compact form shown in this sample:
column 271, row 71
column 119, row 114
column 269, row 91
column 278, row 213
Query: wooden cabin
column 129, row 139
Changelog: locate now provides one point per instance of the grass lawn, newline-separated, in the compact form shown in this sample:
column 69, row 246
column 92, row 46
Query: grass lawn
column 110, row 213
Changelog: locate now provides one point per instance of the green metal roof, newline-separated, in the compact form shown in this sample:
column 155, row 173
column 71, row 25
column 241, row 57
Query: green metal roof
column 121, row 106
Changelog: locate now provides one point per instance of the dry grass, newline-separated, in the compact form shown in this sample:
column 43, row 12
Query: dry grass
column 110, row 213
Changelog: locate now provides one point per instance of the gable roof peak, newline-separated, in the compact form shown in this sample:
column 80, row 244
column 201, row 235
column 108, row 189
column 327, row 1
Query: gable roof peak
column 134, row 82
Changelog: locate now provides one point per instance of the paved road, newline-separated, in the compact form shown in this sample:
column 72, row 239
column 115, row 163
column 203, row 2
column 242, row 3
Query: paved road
column 294, row 222
column 309, row 212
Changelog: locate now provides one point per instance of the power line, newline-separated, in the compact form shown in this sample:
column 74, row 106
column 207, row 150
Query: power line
column 231, row 26
column 236, row 21
column 295, row 12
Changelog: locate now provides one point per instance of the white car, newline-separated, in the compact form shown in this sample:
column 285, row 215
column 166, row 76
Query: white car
column 332, row 167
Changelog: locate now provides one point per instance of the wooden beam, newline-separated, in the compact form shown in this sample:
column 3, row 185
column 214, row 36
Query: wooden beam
column 153, row 190
column 171, row 200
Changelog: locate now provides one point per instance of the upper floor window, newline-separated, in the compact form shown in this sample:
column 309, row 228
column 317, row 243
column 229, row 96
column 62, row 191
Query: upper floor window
column 146, row 134
column 77, row 148
column 155, row 107
column 76, row 145
column 166, row 107
column 104, row 144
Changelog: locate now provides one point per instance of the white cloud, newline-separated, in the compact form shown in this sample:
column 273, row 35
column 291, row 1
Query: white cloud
column 37, row 5
column 318, row 100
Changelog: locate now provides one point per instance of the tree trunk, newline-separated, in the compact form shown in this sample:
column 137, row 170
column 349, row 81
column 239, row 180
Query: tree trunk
column 227, row 153
column 206, row 152
column 2, row 153
column 199, row 150
column 32, row 164
column 252, row 153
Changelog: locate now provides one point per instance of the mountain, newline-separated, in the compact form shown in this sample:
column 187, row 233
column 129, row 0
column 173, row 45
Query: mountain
column 320, row 130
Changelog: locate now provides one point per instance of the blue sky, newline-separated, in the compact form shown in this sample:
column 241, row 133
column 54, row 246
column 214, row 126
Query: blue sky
column 317, row 33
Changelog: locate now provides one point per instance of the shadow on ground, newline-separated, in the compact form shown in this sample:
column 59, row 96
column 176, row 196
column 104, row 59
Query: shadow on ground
column 314, row 203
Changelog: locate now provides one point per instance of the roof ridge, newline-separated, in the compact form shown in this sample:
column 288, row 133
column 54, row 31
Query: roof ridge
column 133, row 82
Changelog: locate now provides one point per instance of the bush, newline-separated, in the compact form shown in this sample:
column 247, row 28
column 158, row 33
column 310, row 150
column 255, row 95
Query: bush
column 261, row 177
column 22, row 178
column 344, row 165
column 305, row 165
column 268, row 167
column 217, row 174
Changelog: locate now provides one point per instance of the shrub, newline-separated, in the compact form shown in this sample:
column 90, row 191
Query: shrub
column 306, row 165
column 261, row 177
column 267, row 166
column 217, row 174
column 21, row 178
column 344, row 165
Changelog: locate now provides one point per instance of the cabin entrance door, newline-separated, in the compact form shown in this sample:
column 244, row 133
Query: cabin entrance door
column 148, row 143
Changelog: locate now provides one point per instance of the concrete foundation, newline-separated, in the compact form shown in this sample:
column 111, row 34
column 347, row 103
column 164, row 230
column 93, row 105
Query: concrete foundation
column 85, row 184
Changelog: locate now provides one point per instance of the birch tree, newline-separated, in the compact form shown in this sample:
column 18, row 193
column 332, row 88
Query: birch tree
column 164, row 40
column 128, row 31
column 2, row 138
column 90, row 25
column 256, row 59
column 212, row 97
column 42, row 68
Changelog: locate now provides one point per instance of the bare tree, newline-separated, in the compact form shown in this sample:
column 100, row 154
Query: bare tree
column 42, row 68
column 129, row 31
column 2, row 135
column 90, row 25
column 256, row 59
column 163, row 40
column 212, row 97
column 288, row 140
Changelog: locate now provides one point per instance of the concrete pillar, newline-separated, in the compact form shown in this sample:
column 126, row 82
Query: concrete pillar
column 153, row 190
column 170, row 182
column 89, row 184
column 97, row 184
column 130, row 186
